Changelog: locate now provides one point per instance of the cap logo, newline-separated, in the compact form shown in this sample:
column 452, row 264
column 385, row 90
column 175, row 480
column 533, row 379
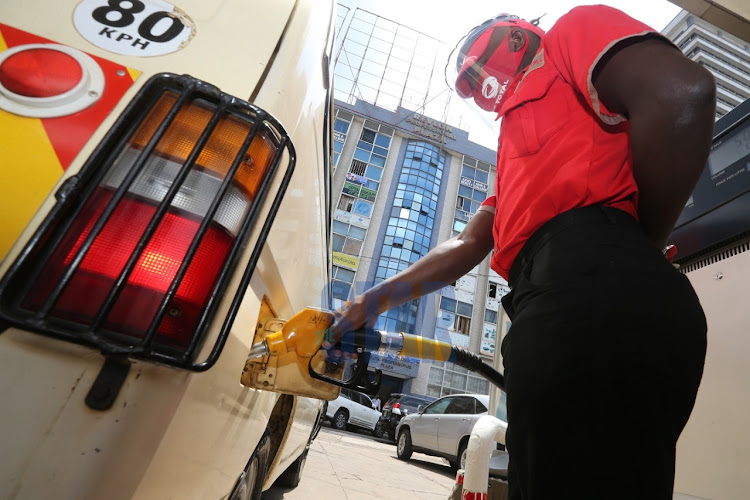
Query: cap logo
column 490, row 87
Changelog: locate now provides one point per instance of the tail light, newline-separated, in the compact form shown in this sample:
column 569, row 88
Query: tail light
column 396, row 406
column 138, row 261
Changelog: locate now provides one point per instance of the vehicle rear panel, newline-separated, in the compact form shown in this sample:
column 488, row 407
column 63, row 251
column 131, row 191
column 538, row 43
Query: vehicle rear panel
column 171, row 432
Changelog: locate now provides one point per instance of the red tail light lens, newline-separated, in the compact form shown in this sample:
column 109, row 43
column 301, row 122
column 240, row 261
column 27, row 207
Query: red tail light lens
column 146, row 286
column 396, row 406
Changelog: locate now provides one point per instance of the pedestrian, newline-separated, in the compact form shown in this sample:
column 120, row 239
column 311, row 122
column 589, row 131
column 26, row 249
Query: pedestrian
column 605, row 130
column 376, row 402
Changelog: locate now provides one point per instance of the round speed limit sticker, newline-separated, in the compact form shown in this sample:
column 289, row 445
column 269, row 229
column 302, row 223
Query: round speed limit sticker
column 133, row 27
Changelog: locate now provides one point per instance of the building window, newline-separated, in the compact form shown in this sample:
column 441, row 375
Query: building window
column 341, row 125
column 490, row 316
column 472, row 191
column 446, row 379
column 346, row 203
column 341, row 283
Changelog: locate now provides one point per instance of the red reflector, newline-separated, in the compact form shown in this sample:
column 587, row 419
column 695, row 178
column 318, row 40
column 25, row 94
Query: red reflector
column 396, row 405
column 40, row 73
column 157, row 266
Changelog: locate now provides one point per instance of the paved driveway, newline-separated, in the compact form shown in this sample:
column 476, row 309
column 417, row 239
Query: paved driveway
column 351, row 466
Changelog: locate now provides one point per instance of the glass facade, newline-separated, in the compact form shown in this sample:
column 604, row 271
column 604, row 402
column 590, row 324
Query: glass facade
column 410, row 225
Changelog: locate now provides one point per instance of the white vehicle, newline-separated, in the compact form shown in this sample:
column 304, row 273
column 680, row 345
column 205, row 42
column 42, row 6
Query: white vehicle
column 165, row 191
column 352, row 408
column 442, row 428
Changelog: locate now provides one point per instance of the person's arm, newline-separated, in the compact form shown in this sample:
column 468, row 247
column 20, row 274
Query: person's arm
column 670, row 102
column 442, row 265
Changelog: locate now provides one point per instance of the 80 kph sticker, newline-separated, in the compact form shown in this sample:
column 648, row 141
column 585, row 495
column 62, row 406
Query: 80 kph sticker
column 133, row 27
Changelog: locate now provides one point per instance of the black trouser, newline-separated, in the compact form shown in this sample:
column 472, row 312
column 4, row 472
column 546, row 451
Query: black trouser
column 602, row 362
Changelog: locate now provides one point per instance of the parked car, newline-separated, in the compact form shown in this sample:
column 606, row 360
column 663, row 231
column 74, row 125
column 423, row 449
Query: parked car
column 352, row 408
column 441, row 429
column 398, row 406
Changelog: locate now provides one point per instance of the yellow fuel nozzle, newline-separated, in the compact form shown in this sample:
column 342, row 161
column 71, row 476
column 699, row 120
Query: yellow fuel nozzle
column 303, row 334
column 282, row 360
column 289, row 357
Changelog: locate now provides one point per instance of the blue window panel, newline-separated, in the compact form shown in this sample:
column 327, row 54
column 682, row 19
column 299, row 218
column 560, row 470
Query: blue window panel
column 380, row 151
column 447, row 304
column 483, row 176
column 341, row 126
column 465, row 191
column 410, row 235
column 362, row 155
column 340, row 290
column 357, row 232
column 372, row 185
column 380, row 323
column 383, row 141
column 338, row 146
column 412, row 226
column 335, row 158
column 439, row 174
column 340, row 227
column 380, row 273
column 408, row 245
column 414, row 216
column 378, row 160
column 391, row 273
column 459, row 226
column 365, row 146
column 395, row 211
column 468, row 172
column 391, row 325
column 400, row 192
column 390, row 231
column 415, row 256
column 373, row 172
column 479, row 196
column 464, row 309
column 388, row 240
column 423, row 219
column 475, row 207
column 401, row 225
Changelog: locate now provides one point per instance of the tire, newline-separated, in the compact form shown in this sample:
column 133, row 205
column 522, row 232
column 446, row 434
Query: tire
column 291, row 476
column 319, row 423
column 403, row 445
column 340, row 420
column 379, row 431
column 460, row 461
column 249, row 485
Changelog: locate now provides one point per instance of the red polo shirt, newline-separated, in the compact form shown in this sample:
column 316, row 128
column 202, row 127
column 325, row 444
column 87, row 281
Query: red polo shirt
column 559, row 147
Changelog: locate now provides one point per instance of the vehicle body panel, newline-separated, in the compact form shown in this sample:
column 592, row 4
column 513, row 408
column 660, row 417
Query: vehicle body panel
column 175, row 433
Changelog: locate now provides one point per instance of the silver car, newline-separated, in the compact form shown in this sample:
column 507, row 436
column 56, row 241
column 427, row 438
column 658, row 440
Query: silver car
column 441, row 429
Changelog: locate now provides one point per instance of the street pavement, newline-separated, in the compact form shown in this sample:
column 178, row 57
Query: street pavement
column 350, row 466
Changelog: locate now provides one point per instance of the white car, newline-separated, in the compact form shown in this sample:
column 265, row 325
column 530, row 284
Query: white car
column 442, row 428
column 352, row 408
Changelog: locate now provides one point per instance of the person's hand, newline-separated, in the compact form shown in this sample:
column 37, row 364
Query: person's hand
column 354, row 315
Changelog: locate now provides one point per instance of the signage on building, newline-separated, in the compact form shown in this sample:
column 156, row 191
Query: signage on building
column 393, row 365
column 344, row 260
column 480, row 186
column 432, row 129
column 352, row 177
column 488, row 339
column 338, row 136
